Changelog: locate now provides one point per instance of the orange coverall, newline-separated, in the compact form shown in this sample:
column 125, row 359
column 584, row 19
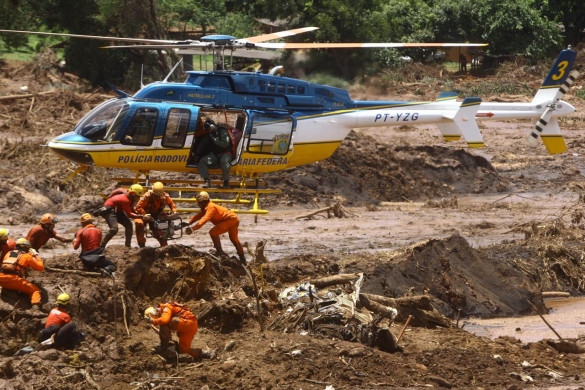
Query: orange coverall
column 174, row 317
column 224, row 220
column 153, row 205
column 15, row 280
column 7, row 246
column 38, row 236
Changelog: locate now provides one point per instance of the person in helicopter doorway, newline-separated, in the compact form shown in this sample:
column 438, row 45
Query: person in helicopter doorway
column 59, row 327
column 216, row 150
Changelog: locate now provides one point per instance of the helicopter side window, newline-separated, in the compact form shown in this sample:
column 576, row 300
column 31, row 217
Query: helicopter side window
column 281, row 88
column 262, row 85
column 176, row 130
column 271, row 86
column 301, row 90
column 141, row 129
column 290, row 89
column 216, row 82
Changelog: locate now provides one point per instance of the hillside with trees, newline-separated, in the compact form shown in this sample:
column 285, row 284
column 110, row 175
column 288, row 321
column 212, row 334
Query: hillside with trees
column 530, row 28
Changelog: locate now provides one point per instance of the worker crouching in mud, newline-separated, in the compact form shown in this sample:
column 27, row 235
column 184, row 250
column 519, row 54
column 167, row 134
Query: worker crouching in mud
column 92, row 254
column 59, row 328
column 14, row 267
column 170, row 317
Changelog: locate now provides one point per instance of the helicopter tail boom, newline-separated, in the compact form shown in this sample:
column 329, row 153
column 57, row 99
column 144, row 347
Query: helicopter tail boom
column 463, row 124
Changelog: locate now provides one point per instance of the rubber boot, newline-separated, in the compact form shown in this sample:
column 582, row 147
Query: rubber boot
column 226, row 184
column 242, row 258
column 217, row 246
column 206, row 184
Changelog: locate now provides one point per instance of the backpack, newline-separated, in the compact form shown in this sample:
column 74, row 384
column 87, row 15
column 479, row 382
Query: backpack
column 185, row 311
column 10, row 264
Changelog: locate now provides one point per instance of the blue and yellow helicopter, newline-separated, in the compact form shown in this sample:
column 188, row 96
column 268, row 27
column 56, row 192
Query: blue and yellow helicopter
column 284, row 122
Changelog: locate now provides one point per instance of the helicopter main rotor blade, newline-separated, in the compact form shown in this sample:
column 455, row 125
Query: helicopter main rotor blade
column 98, row 37
column 173, row 45
column 349, row 45
column 280, row 34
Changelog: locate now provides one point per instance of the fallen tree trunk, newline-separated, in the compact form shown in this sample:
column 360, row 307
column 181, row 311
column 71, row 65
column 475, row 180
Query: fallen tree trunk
column 334, row 279
column 24, row 96
column 418, row 306
column 73, row 271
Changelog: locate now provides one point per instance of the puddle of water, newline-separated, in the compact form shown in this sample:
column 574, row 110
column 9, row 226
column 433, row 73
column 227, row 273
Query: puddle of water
column 564, row 317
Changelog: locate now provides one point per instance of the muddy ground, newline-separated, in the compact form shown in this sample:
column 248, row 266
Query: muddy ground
column 448, row 232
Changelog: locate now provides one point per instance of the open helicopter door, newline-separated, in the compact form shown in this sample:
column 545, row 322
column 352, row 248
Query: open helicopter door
column 268, row 134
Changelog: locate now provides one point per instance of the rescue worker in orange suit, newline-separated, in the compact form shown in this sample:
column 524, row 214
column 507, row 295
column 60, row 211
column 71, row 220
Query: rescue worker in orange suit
column 14, row 267
column 173, row 316
column 59, row 326
column 89, row 237
column 7, row 244
column 152, row 206
column 45, row 230
column 224, row 220
column 118, row 209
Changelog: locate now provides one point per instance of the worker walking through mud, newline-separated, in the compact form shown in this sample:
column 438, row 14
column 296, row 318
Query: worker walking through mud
column 14, row 267
column 118, row 209
column 40, row 234
column 224, row 220
column 170, row 317
column 152, row 206
column 59, row 326
column 89, row 237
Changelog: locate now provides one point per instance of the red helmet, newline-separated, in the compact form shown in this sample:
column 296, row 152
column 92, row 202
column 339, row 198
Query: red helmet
column 48, row 218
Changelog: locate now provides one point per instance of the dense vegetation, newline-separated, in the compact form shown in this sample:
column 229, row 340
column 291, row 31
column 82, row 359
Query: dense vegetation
column 531, row 28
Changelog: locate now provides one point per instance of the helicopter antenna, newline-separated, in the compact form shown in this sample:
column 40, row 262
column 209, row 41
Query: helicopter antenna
column 141, row 75
column 172, row 70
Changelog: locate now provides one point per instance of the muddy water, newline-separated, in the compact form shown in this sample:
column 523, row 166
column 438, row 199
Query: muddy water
column 564, row 316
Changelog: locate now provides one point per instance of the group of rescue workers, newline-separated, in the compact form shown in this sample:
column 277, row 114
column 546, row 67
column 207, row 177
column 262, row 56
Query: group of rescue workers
column 121, row 207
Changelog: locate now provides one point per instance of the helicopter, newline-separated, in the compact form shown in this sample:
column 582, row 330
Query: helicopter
column 284, row 122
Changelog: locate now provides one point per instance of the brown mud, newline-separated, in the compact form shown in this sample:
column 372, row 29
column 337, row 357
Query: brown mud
column 463, row 233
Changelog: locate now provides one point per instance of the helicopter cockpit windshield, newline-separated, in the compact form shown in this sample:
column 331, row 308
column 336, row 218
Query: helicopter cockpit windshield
column 103, row 121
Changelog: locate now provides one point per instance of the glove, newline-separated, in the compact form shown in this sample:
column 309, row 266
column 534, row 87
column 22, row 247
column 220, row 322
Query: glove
column 33, row 252
column 147, row 218
column 188, row 230
column 184, row 224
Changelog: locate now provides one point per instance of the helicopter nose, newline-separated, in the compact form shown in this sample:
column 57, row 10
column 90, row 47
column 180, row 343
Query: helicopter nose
column 71, row 147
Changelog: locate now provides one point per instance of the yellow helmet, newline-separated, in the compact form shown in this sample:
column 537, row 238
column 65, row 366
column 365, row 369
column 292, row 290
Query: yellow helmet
column 202, row 196
column 48, row 218
column 137, row 189
column 158, row 188
column 86, row 217
column 23, row 242
column 4, row 234
column 150, row 312
column 63, row 299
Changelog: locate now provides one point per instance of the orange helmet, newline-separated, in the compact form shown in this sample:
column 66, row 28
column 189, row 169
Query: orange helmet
column 202, row 196
column 158, row 188
column 48, row 218
column 86, row 218
column 22, row 242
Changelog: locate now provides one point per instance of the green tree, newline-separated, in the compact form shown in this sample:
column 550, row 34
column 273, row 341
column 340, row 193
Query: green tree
column 571, row 13
column 515, row 28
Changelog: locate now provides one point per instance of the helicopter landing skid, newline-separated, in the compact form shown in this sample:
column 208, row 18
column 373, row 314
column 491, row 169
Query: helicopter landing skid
column 185, row 194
